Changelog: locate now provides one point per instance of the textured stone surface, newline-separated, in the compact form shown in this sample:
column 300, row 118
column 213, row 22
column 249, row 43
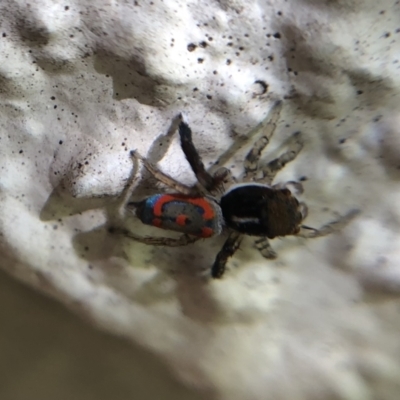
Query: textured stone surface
column 48, row 353
column 83, row 84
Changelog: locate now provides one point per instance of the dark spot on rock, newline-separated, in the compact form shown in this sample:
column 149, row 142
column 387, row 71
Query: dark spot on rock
column 277, row 35
column 200, row 60
column 191, row 47
column 203, row 44
column 264, row 86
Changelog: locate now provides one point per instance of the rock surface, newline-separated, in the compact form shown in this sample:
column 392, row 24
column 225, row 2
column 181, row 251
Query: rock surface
column 83, row 83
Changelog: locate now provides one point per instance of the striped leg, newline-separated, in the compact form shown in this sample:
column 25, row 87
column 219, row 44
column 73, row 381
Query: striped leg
column 166, row 179
column 253, row 156
column 273, row 167
column 208, row 181
column 228, row 249
column 264, row 247
column 331, row 227
column 183, row 240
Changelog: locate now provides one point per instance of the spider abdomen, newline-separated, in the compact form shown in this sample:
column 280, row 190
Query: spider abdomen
column 199, row 216
column 260, row 210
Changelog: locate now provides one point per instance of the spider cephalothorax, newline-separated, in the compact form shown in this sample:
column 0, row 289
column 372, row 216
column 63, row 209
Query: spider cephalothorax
column 255, row 207
column 260, row 210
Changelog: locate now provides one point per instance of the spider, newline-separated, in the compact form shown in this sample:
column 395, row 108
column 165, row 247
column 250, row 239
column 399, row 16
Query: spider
column 254, row 207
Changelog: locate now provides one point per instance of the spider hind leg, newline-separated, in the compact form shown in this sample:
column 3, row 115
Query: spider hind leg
column 183, row 240
column 166, row 179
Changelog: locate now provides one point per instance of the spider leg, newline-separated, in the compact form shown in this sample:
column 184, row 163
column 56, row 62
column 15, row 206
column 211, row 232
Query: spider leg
column 273, row 167
column 183, row 240
column 208, row 181
column 303, row 210
column 297, row 186
column 226, row 179
column 253, row 156
column 264, row 247
column 118, row 212
column 333, row 226
column 228, row 249
column 166, row 179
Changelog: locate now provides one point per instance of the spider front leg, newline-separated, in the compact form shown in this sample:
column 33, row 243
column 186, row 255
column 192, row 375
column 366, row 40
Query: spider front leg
column 228, row 249
column 331, row 227
column 293, row 186
column 270, row 170
column 253, row 156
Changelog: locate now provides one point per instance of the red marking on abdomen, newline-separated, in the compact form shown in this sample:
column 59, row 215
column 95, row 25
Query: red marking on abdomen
column 205, row 205
column 201, row 202
column 181, row 220
column 157, row 222
column 206, row 232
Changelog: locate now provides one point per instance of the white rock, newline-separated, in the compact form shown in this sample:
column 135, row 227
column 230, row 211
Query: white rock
column 84, row 83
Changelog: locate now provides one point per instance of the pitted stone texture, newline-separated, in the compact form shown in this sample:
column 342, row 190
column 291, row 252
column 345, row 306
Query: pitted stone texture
column 83, row 83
